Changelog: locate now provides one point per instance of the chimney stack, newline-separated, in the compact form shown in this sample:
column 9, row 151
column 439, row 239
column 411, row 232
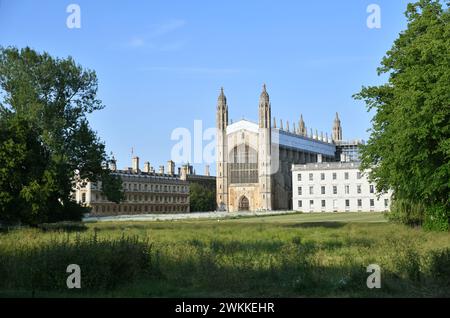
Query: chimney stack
column 147, row 167
column 135, row 165
column 184, row 172
column 207, row 170
column 161, row 169
column 171, row 167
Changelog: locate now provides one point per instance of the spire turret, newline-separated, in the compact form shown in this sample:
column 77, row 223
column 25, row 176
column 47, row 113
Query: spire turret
column 301, row 126
column 222, row 111
column 337, row 129
column 264, row 109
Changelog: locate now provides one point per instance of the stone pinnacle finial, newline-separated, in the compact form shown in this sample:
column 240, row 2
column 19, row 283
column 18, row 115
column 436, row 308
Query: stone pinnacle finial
column 222, row 99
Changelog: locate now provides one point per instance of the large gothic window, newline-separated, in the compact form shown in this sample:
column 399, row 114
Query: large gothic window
column 243, row 165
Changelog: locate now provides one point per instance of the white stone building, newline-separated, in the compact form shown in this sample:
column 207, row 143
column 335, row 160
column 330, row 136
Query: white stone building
column 335, row 187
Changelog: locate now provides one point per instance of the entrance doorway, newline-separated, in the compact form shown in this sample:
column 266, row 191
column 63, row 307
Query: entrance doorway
column 244, row 204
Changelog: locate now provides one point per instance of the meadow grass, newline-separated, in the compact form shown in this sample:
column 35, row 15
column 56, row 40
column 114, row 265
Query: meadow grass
column 301, row 255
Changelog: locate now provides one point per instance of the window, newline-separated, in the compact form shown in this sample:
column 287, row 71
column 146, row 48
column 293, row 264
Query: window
column 347, row 204
column 334, row 176
column 358, row 189
column 322, row 189
column 347, row 189
column 311, row 204
column 334, row 189
column 372, row 203
column 346, row 176
column 83, row 197
column 386, row 203
column 311, row 190
column 299, row 203
column 371, row 188
column 335, row 205
column 358, row 175
column 311, row 177
column 299, row 177
column 299, row 190
column 322, row 176
column 243, row 165
column 359, row 203
column 323, row 203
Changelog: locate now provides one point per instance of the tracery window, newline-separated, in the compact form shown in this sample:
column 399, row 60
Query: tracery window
column 243, row 165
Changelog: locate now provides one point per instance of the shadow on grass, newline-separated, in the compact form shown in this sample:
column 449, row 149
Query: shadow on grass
column 325, row 224
column 66, row 227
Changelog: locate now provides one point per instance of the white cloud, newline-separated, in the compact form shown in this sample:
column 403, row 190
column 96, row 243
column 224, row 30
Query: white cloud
column 136, row 42
column 154, row 37
column 166, row 27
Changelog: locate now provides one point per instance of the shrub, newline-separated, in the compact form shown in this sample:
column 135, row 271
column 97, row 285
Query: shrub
column 104, row 264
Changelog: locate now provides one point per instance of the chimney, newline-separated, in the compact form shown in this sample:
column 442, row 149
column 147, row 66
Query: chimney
column 147, row 167
column 184, row 172
column 171, row 167
column 135, row 165
column 161, row 169
column 207, row 170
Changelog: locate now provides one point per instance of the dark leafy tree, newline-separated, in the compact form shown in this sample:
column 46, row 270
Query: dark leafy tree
column 409, row 146
column 49, row 98
column 201, row 198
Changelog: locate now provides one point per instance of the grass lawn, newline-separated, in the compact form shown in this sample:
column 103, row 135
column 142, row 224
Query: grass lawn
column 297, row 255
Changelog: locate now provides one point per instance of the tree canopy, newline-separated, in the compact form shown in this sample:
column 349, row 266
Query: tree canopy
column 46, row 142
column 201, row 198
column 409, row 146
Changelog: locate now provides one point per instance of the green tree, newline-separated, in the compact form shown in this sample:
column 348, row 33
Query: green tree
column 52, row 97
column 409, row 146
column 201, row 198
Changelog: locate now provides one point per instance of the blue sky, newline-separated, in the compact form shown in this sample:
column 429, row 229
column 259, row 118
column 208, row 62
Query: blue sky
column 161, row 64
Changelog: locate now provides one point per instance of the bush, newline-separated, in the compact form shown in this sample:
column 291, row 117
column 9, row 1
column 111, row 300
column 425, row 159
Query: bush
column 437, row 219
column 440, row 266
column 405, row 212
column 104, row 264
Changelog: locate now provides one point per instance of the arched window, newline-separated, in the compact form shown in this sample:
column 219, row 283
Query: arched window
column 243, row 165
